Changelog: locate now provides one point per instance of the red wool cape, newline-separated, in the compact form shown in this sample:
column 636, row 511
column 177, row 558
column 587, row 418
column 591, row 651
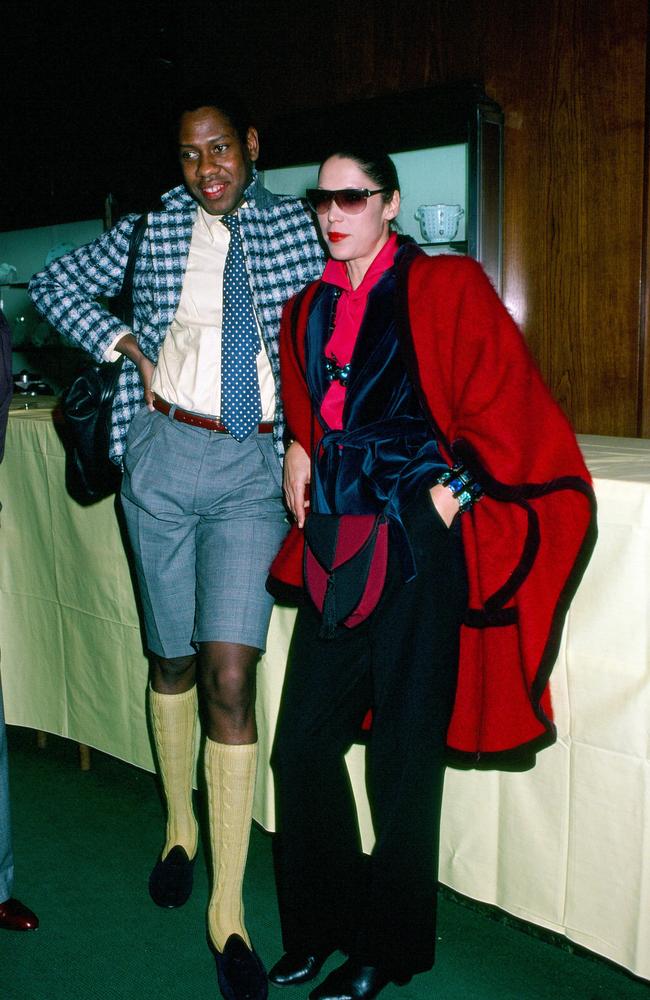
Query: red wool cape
column 527, row 542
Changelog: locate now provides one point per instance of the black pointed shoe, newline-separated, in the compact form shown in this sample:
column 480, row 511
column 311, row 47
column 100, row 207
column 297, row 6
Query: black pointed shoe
column 297, row 967
column 353, row 981
column 170, row 882
column 240, row 972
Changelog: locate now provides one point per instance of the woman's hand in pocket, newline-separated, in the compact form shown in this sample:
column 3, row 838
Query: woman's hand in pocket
column 445, row 503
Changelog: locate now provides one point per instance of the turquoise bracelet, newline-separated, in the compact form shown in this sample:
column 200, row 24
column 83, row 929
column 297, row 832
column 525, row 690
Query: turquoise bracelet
column 463, row 486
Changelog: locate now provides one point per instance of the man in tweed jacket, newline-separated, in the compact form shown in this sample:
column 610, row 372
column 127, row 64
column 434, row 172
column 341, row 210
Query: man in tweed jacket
column 203, row 503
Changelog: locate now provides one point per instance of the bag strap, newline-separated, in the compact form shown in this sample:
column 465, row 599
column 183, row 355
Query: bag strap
column 122, row 305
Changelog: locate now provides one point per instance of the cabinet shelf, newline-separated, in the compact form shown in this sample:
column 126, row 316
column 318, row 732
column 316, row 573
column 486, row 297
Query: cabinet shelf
column 458, row 246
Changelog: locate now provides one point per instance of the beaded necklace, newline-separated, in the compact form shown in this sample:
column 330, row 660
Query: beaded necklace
column 334, row 372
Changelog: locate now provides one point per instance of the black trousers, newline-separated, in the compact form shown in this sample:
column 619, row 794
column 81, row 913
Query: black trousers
column 403, row 663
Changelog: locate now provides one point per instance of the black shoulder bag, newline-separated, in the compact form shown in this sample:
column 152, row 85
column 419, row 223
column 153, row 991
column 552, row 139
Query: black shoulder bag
column 87, row 403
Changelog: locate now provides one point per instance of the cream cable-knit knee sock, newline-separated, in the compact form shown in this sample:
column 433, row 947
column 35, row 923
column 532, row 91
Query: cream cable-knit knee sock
column 230, row 778
column 174, row 719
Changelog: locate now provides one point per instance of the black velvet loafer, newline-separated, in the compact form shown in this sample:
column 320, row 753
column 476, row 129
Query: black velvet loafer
column 240, row 972
column 170, row 882
column 297, row 967
column 353, row 981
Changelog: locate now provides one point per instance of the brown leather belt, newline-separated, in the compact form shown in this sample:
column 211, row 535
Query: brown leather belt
column 196, row 420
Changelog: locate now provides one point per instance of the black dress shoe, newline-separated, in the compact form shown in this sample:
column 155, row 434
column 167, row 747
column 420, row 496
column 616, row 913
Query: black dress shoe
column 15, row 916
column 170, row 882
column 240, row 971
column 353, row 981
column 297, row 967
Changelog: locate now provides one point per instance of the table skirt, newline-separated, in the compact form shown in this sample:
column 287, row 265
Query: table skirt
column 564, row 845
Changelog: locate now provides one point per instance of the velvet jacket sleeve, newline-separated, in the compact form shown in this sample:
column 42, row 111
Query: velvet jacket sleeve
column 528, row 541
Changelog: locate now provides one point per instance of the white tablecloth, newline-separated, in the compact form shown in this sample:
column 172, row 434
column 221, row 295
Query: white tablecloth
column 565, row 845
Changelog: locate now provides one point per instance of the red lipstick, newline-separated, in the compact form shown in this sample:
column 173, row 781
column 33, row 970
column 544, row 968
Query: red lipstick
column 335, row 237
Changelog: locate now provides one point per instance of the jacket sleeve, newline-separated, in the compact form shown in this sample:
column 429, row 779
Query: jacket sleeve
column 295, row 394
column 285, row 580
column 66, row 291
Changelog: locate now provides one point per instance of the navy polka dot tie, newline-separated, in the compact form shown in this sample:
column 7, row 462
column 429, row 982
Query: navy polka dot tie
column 241, row 408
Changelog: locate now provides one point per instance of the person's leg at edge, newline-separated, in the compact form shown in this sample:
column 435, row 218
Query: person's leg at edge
column 14, row 915
column 6, row 853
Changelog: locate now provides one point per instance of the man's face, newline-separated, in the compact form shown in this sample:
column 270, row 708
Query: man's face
column 217, row 166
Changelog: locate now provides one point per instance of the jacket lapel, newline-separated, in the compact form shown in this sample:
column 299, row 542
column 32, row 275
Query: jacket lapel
column 171, row 235
column 317, row 334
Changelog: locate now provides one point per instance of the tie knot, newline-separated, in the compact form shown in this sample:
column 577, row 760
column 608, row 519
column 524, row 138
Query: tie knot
column 231, row 222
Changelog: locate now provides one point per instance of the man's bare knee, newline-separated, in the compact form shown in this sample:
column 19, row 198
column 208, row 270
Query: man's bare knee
column 173, row 675
column 227, row 675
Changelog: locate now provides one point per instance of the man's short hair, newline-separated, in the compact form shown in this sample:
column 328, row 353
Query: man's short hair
column 211, row 96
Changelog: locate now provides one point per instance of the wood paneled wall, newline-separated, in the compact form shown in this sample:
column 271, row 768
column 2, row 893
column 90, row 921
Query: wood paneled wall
column 573, row 89
column 570, row 76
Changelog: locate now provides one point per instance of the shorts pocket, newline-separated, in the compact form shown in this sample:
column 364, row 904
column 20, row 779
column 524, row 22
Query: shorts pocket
column 143, row 431
column 270, row 456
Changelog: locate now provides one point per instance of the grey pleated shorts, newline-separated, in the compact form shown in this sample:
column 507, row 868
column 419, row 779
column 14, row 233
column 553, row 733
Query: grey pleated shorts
column 205, row 519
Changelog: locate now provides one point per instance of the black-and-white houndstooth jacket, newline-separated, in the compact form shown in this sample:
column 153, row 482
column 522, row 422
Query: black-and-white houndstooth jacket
column 282, row 254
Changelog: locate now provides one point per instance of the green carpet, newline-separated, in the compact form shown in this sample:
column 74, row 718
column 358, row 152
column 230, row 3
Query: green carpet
column 84, row 844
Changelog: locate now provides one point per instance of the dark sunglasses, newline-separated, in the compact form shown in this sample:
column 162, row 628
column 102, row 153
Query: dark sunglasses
column 350, row 200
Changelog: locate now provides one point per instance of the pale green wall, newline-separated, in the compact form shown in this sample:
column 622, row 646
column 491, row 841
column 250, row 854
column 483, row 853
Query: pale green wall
column 27, row 249
column 427, row 177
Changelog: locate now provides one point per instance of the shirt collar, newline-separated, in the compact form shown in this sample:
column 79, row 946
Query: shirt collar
column 209, row 223
column 336, row 273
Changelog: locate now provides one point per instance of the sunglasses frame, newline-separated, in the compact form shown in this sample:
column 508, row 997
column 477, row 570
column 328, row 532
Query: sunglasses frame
column 326, row 197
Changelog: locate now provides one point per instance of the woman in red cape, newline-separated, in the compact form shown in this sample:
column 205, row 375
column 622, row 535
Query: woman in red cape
column 412, row 400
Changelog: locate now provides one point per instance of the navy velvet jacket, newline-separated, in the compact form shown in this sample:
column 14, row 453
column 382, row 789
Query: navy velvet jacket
column 387, row 449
